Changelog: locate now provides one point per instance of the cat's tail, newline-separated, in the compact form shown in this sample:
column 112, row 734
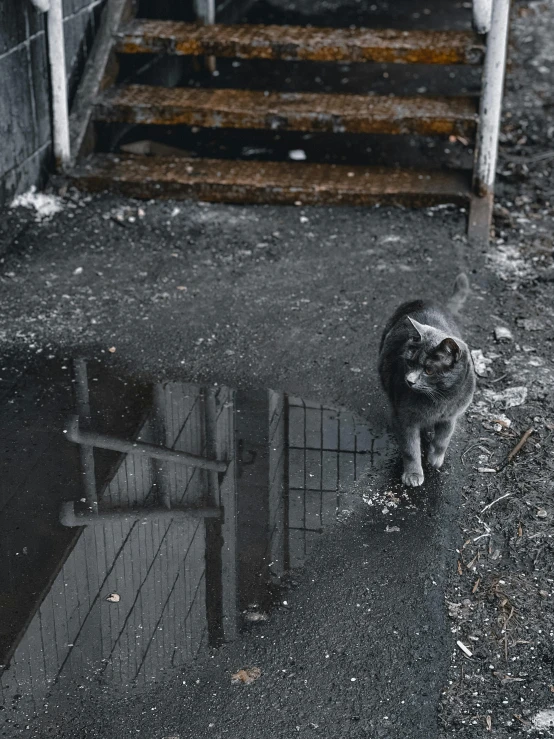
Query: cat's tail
column 461, row 291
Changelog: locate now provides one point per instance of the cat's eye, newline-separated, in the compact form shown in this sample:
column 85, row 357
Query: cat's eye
column 429, row 370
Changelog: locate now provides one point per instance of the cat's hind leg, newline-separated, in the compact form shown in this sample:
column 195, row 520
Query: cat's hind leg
column 441, row 440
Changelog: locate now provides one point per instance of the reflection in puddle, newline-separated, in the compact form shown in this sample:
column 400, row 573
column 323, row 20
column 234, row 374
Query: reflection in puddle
column 142, row 522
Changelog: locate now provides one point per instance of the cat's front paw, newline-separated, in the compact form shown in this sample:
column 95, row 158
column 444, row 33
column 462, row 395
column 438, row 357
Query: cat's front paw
column 435, row 460
column 413, row 479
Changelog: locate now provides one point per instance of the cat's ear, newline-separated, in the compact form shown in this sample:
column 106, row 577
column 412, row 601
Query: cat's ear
column 450, row 348
column 417, row 328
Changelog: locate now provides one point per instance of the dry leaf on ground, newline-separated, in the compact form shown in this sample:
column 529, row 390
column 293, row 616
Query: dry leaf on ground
column 246, row 676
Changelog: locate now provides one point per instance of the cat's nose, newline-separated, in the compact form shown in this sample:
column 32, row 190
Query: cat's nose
column 411, row 378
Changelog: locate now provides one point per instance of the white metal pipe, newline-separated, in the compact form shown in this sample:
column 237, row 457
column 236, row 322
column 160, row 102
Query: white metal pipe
column 103, row 441
column 482, row 11
column 41, row 5
column 56, row 54
column 71, row 518
column 205, row 11
column 491, row 97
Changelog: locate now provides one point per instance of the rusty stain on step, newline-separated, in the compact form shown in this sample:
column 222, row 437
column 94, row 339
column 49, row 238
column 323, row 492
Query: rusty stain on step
column 268, row 182
column 301, row 43
column 337, row 113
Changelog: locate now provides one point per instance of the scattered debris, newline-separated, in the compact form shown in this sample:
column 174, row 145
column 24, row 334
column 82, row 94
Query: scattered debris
column 255, row 616
column 544, row 719
column 125, row 215
column 497, row 500
column 509, row 264
column 297, row 155
column 246, row 676
column 518, row 447
column 112, row 349
column 465, row 650
column 491, row 419
column 481, row 363
column 113, row 598
column 511, row 397
column 78, row 271
column 392, row 529
column 45, row 205
column 501, row 333
column 530, row 324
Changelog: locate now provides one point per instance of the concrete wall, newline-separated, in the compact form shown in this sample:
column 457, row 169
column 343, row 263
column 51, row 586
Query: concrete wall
column 25, row 120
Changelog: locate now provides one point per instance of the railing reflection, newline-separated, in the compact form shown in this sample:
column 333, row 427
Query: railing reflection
column 171, row 552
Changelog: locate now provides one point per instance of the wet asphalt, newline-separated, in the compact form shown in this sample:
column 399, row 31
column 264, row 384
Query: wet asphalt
column 291, row 299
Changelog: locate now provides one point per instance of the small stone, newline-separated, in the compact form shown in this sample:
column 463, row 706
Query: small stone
column 530, row 324
column 255, row 616
column 501, row 333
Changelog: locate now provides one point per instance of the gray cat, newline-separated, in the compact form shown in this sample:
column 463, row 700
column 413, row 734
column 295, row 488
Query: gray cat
column 427, row 372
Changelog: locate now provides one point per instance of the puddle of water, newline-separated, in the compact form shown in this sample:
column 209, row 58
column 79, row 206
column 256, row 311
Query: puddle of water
column 123, row 560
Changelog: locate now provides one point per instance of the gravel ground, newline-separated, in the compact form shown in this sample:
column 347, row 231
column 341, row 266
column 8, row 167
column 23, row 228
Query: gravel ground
column 500, row 599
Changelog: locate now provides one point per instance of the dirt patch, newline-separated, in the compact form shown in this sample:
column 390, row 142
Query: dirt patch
column 500, row 599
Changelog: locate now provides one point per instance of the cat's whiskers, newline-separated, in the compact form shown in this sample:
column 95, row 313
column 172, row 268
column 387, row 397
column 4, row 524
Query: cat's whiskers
column 433, row 393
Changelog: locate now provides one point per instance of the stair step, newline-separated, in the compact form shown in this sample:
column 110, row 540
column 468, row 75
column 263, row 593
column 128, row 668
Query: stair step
column 231, row 181
column 300, row 43
column 287, row 111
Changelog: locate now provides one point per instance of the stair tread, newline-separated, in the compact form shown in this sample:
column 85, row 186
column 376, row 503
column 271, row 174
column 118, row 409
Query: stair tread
column 224, row 108
column 249, row 41
column 221, row 180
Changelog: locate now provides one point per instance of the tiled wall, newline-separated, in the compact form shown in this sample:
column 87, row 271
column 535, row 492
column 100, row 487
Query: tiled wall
column 25, row 117
column 25, row 120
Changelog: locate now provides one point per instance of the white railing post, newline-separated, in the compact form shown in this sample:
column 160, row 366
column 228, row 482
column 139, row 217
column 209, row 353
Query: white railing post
column 491, row 96
column 489, row 120
column 482, row 11
column 205, row 12
column 60, row 112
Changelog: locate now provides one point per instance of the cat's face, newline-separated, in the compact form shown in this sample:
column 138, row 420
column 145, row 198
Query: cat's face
column 431, row 360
